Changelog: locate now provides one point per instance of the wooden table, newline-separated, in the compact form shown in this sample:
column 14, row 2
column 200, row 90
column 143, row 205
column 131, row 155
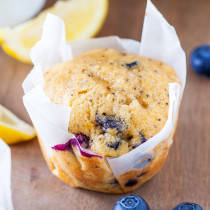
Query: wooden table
column 185, row 175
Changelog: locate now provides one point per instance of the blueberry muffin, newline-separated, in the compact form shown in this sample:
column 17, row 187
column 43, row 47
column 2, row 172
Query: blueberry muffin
column 118, row 101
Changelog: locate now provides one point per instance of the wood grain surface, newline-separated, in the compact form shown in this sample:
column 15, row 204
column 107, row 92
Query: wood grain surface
column 185, row 175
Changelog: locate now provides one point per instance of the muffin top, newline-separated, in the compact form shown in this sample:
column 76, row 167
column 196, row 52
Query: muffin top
column 118, row 100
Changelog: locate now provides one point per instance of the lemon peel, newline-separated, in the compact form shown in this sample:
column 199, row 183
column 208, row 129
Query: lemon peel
column 13, row 129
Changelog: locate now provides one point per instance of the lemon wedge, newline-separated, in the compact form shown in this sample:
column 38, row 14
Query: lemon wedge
column 82, row 18
column 12, row 129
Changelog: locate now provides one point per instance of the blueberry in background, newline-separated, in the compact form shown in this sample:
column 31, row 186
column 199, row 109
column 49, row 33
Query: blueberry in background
column 200, row 60
column 131, row 202
column 188, row 206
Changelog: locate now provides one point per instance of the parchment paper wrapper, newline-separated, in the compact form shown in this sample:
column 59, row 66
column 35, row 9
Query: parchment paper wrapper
column 159, row 41
column 5, row 177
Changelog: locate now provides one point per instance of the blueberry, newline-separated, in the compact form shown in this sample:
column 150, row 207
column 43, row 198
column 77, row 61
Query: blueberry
column 200, row 60
column 131, row 202
column 142, row 138
column 107, row 121
column 83, row 139
column 134, row 146
column 131, row 182
column 131, row 65
column 114, row 145
column 188, row 206
column 142, row 174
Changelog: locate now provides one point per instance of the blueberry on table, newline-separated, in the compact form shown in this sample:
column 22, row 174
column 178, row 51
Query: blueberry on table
column 200, row 60
column 188, row 206
column 129, row 202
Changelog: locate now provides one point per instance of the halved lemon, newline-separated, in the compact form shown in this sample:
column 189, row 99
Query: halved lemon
column 82, row 18
column 13, row 129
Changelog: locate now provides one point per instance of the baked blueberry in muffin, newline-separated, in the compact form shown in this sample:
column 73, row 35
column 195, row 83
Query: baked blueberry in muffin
column 118, row 101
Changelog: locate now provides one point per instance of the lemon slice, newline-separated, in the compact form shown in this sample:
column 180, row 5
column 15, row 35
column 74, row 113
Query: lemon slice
column 12, row 129
column 82, row 18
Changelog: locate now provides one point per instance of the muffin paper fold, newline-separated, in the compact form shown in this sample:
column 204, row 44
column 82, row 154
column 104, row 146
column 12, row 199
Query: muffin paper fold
column 159, row 41
column 5, row 177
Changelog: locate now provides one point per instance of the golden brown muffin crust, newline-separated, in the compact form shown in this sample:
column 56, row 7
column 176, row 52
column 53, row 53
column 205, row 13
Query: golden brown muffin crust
column 117, row 99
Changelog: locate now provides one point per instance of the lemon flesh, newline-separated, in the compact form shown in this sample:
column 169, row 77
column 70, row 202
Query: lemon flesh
column 82, row 18
column 12, row 129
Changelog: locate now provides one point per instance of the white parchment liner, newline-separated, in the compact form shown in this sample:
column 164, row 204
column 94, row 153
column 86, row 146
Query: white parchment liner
column 5, row 177
column 159, row 41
